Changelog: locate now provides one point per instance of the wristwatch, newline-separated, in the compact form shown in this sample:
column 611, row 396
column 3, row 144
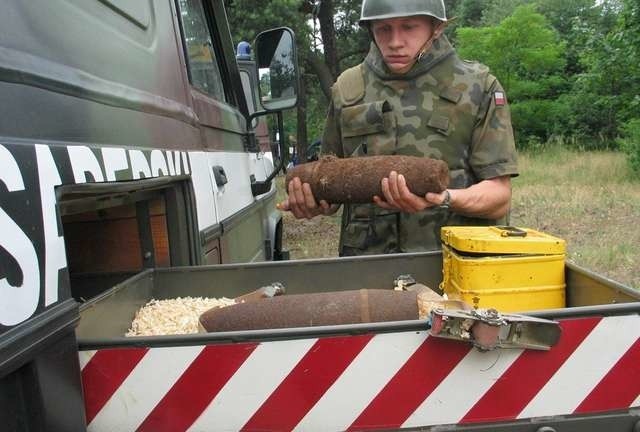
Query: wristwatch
column 446, row 202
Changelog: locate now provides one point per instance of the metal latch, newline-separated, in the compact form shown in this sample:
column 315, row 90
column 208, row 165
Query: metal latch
column 511, row 231
column 488, row 329
column 402, row 282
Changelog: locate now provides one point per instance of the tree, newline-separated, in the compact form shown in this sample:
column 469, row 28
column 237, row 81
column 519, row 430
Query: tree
column 343, row 42
column 521, row 50
column 575, row 21
column 526, row 55
column 606, row 95
column 325, row 16
column 337, row 43
column 497, row 10
column 469, row 12
column 626, row 39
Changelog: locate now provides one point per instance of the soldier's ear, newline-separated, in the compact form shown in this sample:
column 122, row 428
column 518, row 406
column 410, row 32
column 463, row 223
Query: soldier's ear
column 439, row 28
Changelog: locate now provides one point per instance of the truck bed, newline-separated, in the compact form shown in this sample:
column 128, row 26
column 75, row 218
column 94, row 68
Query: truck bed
column 360, row 376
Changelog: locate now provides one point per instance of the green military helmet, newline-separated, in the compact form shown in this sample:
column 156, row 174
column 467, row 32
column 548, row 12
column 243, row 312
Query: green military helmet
column 383, row 9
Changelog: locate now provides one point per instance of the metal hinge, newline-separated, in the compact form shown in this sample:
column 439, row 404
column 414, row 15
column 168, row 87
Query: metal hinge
column 250, row 142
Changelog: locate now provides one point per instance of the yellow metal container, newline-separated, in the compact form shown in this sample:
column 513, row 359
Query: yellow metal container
column 506, row 268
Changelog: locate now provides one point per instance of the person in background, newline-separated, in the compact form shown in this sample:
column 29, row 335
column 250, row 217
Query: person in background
column 413, row 95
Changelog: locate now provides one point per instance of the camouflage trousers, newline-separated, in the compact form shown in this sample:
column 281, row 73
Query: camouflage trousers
column 368, row 229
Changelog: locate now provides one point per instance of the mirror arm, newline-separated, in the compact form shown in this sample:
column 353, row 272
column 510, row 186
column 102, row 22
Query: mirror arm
column 251, row 117
column 259, row 188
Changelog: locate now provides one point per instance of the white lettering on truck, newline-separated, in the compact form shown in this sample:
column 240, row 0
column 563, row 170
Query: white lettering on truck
column 115, row 159
column 84, row 161
column 18, row 302
column 173, row 162
column 158, row 164
column 55, row 256
column 139, row 164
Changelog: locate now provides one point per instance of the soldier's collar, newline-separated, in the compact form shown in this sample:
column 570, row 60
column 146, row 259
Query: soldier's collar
column 440, row 50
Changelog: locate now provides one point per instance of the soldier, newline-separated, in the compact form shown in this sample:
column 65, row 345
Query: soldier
column 413, row 95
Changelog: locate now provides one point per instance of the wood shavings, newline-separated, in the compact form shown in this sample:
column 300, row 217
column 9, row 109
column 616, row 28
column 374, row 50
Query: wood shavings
column 173, row 316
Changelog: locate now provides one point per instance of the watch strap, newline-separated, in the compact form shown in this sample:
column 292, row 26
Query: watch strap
column 446, row 203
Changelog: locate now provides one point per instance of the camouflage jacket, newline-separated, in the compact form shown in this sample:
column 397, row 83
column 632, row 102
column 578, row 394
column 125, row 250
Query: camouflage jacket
column 443, row 108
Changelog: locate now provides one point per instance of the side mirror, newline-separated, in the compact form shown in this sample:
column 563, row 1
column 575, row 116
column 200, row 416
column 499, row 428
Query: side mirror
column 277, row 69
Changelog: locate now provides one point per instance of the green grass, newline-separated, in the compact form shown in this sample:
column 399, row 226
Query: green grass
column 589, row 199
column 316, row 238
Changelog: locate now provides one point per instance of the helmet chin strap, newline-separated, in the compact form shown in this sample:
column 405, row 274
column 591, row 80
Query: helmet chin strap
column 427, row 45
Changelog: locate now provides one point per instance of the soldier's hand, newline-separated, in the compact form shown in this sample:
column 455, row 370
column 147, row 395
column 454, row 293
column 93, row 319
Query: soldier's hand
column 397, row 196
column 302, row 204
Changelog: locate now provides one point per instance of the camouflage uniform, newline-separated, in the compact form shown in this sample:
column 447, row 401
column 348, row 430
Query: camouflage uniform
column 443, row 108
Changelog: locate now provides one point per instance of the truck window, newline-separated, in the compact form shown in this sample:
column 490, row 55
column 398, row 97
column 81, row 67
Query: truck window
column 246, row 87
column 204, row 71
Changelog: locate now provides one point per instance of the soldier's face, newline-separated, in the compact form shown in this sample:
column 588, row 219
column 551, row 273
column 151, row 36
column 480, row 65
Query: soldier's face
column 401, row 39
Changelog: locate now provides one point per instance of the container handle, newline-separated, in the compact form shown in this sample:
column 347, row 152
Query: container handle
column 511, row 231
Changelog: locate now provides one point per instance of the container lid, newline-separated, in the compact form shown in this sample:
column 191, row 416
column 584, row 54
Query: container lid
column 501, row 239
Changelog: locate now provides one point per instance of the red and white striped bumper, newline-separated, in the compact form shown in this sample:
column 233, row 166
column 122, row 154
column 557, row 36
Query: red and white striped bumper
column 380, row 381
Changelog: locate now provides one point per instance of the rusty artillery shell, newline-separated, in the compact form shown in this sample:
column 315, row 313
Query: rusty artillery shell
column 318, row 309
column 356, row 180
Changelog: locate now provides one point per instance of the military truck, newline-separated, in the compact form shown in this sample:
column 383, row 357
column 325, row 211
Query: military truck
column 126, row 143
column 125, row 170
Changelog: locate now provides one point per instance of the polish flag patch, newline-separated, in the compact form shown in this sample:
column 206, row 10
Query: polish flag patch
column 500, row 99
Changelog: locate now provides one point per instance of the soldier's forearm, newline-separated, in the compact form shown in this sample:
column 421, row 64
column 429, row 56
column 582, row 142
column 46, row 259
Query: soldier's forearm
column 488, row 199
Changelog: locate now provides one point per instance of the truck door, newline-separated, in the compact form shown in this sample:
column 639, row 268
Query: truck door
column 223, row 132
